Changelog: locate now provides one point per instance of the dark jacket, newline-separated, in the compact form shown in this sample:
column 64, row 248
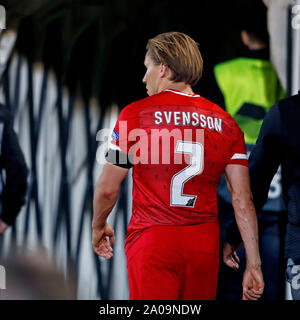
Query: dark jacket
column 13, row 170
column 278, row 144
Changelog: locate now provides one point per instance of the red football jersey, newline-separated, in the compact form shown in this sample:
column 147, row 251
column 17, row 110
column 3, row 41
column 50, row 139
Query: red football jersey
column 180, row 145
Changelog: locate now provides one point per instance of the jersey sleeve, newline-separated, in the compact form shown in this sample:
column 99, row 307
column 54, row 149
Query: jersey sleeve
column 238, row 153
column 120, row 146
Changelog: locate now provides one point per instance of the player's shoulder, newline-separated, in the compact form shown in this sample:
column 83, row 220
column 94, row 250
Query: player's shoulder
column 203, row 102
column 229, row 125
column 129, row 111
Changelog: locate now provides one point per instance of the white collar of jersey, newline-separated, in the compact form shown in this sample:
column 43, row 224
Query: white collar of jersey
column 182, row 93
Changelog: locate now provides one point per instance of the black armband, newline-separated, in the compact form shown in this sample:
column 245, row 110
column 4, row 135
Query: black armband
column 119, row 159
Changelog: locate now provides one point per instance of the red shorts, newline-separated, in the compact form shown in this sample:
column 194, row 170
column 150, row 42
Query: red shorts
column 174, row 263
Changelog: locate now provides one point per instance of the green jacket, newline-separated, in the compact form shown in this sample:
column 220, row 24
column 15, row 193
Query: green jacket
column 250, row 87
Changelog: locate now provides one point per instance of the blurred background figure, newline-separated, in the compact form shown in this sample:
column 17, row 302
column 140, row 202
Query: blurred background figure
column 246, row 87
column 32, row 275
column 278, row 144
column 13, row 180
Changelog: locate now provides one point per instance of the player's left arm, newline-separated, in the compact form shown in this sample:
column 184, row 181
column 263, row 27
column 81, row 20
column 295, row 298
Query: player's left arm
column 105, row 196
column 237, row 178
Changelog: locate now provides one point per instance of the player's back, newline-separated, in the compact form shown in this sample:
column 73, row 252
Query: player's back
column 184, row 143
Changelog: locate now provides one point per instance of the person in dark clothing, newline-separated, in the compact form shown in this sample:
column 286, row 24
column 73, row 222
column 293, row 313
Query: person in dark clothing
column 278, row 144
column 247, row 87
column 13, row 178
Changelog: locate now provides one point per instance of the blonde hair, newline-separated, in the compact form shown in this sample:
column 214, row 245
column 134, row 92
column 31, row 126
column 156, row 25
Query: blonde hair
column 180, row 53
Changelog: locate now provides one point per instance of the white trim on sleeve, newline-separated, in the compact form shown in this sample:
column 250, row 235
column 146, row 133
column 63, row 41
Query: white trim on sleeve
column 239, row 156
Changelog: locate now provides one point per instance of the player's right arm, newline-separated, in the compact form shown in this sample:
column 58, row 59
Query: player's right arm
column 108, row 185
column 237, row 178
column 105, row 197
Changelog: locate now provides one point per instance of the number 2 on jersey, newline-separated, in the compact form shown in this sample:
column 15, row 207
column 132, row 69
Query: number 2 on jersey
column 196, row 151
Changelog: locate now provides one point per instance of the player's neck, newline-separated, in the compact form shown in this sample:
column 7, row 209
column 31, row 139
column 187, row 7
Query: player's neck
column 179, row 86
